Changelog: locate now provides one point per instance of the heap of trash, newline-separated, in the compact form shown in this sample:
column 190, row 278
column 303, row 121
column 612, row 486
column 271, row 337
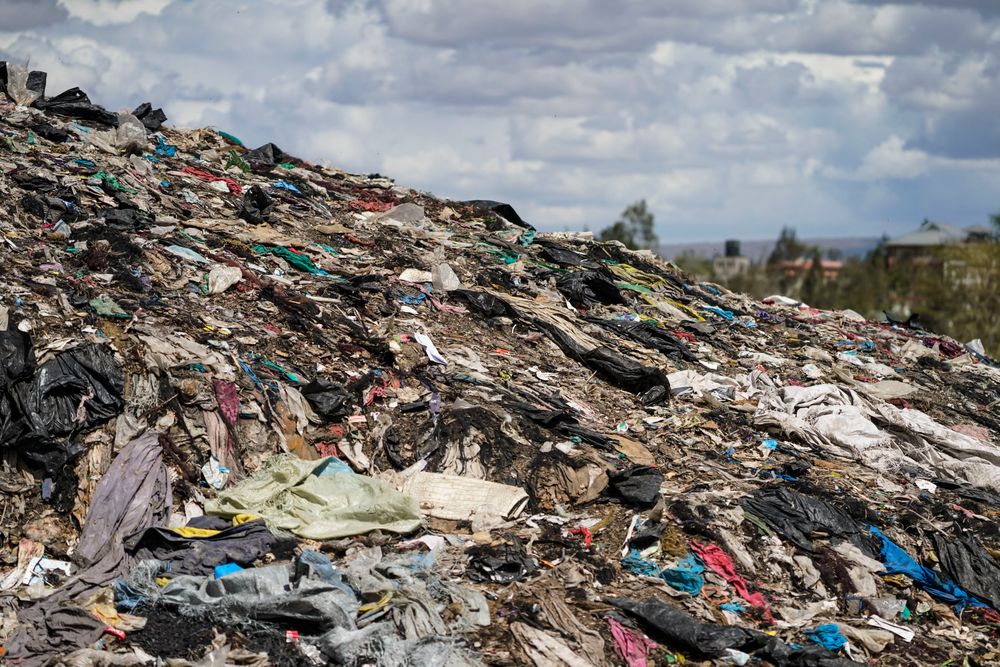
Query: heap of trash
column 257, row 411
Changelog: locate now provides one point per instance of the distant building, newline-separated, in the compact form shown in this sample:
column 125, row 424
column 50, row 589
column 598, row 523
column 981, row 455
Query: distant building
column 797, row 268
column 732, row 264
column 917, row 247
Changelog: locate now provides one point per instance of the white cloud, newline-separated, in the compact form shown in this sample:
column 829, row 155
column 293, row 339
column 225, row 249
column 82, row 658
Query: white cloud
column 111, row 12
column 891, row 159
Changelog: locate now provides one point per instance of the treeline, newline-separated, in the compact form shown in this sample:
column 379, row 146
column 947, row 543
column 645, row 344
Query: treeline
column 954, row 289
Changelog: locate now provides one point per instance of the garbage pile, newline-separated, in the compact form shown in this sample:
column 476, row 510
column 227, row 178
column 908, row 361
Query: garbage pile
column 258, row 411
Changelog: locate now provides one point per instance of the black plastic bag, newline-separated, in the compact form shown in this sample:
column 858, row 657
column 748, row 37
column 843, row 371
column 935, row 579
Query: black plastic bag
column 34, row 182
column 652, row 337
column 74, row 103
column 679, row 629
column 554, row 252
column 36, row 82
column 17, row 356
column 795, row 516
column 268, row 154
column 151, row 118
column 50, row 132
column 51, row 209
column 503, row 564
column 587, row 289
column 71, row 393
column 257, row 205
column 505, row 211
column 329, row 400
column 682, row 630
column 487, row 304
column 638, row 485
column 655, row 395
column 970, row 566
column 610, row 365
column 127, row 218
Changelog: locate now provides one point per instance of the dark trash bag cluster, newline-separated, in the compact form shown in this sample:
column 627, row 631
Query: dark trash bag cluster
column 42, row 408
column 76, row 104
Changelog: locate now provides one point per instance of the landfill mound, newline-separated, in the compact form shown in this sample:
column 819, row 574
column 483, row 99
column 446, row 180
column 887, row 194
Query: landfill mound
column 257, row 411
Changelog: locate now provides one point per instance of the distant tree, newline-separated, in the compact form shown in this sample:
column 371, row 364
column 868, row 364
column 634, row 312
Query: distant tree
column 995, row 219
column 834, row 254
column 812, row 284
column 960, row 295
column 635, row 228
column 788, row 247
column 694, row 264
column 618, row 232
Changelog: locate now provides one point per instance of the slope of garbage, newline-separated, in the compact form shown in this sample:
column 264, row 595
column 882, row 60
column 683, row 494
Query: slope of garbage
column 258, row 411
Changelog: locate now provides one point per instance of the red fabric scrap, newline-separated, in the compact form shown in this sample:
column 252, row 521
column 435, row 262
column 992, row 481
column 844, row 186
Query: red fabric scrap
column 326, row 448
column 234, row 187
column 632, row 646
column 720, row 563
column 588, row 537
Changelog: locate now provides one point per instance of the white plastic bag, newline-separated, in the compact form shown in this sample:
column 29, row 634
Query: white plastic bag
column 17, row 85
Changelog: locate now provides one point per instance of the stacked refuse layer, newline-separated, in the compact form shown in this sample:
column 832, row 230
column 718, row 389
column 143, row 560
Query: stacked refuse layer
column 257, row 411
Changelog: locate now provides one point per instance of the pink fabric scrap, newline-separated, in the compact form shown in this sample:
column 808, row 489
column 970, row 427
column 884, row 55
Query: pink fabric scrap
column 228, row 400
column 633, row 647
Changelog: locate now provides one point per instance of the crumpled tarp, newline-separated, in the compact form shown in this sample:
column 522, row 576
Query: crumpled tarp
column 295, row 595
column 878, row 434
column 294, row 495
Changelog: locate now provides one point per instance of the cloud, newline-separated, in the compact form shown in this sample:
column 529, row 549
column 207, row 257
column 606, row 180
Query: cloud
column 111, row 12
column 987, row 8
column 26, row 14
column 890, row 160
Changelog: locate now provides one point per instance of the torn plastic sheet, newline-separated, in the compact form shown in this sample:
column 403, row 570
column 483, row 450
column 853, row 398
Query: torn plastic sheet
column 287, row 594
column 430, row 348
column 970, row 565
column 505, row 211
column 897, row 561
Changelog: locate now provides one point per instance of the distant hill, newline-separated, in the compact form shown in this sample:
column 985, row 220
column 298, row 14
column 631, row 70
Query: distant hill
column 759, row 249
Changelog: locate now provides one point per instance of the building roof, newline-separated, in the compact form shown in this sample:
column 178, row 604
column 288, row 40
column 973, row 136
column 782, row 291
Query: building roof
column 930, row 234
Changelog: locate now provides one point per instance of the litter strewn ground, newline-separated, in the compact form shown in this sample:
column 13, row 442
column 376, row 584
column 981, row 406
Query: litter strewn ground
column 256, row 411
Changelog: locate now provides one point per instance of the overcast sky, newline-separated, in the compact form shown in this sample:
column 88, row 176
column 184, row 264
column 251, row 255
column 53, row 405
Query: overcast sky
column 731, row 117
